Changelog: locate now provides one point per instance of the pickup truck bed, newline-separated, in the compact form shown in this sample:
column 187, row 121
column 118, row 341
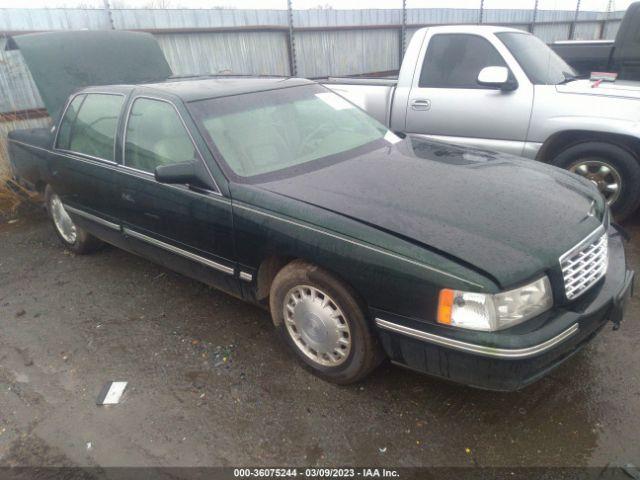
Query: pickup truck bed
column 375, row 95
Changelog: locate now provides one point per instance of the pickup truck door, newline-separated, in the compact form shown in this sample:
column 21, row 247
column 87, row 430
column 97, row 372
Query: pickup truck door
column 445, row 100
column 189, row 229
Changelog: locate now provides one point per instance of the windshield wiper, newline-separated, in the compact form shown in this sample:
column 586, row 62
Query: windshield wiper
column 568, row 77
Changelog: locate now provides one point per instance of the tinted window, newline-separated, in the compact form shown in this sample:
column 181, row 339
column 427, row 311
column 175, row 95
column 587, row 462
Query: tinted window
column 455, row 60
column 156, row 136
column 542, row 65
column 64, row 134
column 264, row 132
column 94, row 131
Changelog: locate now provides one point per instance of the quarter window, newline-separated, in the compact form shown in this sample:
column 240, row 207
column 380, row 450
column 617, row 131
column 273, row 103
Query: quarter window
column 156, row 136
column 93, row 130
column 455, row 60
column 64, row 134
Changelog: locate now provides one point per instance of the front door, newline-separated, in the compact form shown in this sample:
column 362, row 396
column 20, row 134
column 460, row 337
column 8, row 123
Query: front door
column 186, row 228
column 446, row 100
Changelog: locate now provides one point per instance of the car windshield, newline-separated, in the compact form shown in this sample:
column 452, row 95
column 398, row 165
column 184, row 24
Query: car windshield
column 264, row 132
column 542, row 65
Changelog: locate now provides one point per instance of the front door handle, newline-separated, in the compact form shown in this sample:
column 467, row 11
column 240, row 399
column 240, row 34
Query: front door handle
column 421, row 104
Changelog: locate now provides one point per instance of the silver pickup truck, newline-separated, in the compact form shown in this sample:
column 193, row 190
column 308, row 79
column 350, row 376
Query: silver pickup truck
column 506, row 90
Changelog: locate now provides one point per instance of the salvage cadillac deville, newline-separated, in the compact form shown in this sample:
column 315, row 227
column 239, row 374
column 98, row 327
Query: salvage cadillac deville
column 477, row 267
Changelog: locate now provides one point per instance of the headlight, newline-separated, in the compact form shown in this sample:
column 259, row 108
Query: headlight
column 489, row 312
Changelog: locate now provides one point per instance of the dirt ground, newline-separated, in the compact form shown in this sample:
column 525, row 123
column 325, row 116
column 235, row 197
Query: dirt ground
column 210, row 383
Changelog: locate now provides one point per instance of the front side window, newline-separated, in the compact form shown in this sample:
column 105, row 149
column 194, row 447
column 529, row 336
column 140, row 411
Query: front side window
column 94, row 130
column 155, row 136
column 455, row 60
column 261, row 133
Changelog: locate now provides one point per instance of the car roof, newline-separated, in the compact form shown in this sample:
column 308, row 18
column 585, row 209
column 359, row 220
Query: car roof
column 201, row 88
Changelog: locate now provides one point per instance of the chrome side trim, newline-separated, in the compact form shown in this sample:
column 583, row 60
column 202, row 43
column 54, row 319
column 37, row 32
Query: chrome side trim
column 247, row 277
column 89, row 216
column 179, row 251
column 505, row 353
column 360, row 244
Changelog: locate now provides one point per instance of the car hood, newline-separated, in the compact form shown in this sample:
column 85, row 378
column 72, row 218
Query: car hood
column 619, row 89
column 507, row 217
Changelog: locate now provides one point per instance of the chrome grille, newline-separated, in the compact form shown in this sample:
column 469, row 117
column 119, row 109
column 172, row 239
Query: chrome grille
column 585, row 264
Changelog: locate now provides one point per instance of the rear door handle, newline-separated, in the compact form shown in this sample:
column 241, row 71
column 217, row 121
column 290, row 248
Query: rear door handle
column 421, row 104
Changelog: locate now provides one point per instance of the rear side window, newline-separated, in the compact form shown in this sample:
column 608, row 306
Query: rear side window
column 155, row 136
column 455, row 60
column 94, row 130
column 64, row 134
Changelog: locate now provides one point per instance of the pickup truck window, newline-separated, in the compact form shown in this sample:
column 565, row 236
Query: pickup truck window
column 455, row 60
column 265, row 132
column 542, row 65
column 155, row 136
column 93, row 130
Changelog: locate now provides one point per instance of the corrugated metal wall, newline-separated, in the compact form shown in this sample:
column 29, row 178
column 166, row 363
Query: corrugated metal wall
column 327, row 42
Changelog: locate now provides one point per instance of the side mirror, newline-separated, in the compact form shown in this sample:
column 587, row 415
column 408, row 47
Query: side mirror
column 190, row 173
column 497, row 77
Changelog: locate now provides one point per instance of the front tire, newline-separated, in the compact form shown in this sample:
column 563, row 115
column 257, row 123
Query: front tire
column 613, row 169
column 320, row 319
column 73, row 237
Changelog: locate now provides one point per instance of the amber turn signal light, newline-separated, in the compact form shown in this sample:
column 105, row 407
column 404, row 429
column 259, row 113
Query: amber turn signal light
column 445, row 303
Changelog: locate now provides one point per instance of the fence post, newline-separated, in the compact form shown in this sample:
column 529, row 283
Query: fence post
column 403, row 31
column 481, row 12
column 534, row 17
column 293, row 67
column 603, row 25
column 572, row 27
column 107, row 9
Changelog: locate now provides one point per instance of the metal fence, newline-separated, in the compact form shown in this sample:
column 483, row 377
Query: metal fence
column 306, row 43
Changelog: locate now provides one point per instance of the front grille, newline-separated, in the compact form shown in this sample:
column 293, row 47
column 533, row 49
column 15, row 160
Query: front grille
column 585, row 264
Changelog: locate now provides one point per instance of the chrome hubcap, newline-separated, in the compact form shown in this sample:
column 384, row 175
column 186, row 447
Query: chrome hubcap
column 317, row 325
column 62, row 221
column 602, row 175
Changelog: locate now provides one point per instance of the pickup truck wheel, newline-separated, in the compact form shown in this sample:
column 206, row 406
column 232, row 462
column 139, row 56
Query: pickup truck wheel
column 614, row 170
column 72, row 236
column 319, row 317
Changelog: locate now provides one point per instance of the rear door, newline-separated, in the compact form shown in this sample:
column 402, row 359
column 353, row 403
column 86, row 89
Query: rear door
column 188, row 228
column 83, row 169
column 446, row 100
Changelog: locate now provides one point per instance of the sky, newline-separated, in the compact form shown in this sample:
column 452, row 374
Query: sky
column 586, row 5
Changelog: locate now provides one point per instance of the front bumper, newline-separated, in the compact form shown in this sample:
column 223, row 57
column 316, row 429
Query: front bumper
column 516, row 357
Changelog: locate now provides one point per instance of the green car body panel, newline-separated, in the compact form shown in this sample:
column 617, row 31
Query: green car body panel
column 397, row 222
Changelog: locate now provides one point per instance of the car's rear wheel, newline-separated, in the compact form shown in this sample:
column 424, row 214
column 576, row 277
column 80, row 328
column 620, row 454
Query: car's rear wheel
column 611, row 168
column 319, row 317
column 75, row 238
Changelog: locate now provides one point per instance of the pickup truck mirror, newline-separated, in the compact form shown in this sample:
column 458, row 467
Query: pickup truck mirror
column 497, row 77
column 186, row 173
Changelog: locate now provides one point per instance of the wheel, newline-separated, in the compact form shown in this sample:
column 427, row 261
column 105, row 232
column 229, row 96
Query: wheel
column 319, row 317
column 72, row 236
column 613, row 169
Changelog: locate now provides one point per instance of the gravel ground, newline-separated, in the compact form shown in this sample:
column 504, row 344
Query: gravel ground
column 210, row 383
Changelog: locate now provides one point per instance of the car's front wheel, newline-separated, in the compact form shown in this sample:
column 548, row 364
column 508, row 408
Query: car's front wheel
column 611, row 168
column 75, row 238
column 319, row 317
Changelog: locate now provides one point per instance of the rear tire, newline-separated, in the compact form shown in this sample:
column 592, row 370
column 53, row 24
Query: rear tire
column 606, row 164
column 319, row 318
column 73, row 237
